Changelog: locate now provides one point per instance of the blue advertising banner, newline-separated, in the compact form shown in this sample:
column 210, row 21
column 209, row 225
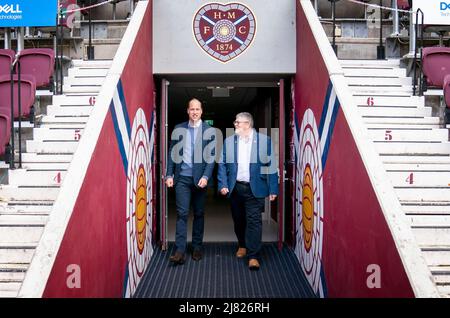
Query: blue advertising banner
column 23, row 13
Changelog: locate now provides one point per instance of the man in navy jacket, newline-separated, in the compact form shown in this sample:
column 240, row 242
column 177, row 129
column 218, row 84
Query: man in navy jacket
column 247, row 175
column 189, row 167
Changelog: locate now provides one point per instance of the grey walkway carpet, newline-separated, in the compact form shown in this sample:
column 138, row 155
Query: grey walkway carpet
column 221, row 275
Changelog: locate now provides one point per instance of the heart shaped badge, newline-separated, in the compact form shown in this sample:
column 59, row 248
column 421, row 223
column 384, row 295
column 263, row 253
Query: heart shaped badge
column 224, row 30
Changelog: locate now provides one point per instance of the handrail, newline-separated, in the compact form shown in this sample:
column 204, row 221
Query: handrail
column 19, row 99
column 415, row 53
column 381, row 53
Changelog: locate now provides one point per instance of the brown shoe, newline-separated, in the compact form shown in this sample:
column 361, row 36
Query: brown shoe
column 178, row 258
column 241, row 252
column 253, row 264
column 197, row 255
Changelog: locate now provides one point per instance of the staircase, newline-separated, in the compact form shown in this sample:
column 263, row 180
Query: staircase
column 26, row 201
column 415, row 151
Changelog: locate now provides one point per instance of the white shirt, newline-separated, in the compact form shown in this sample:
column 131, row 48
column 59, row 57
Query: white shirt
column 244, row 153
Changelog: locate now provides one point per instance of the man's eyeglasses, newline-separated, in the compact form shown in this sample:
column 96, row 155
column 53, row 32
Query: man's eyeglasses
column 238, row 122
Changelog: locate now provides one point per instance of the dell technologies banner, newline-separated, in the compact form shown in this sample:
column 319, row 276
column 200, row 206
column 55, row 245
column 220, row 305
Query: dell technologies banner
column 24, row 13
column 435, row 12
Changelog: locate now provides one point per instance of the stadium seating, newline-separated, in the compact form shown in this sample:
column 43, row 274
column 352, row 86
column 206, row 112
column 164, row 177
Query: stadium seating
column 436, row 64
column 5, row 130
column 6, row 58
column 446, row 89
column 27, row 93
column 404, row 4
column 39, row 63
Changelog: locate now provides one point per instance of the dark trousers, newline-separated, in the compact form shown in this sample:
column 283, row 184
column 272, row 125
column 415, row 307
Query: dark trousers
column 186, row 194
column 246, row 211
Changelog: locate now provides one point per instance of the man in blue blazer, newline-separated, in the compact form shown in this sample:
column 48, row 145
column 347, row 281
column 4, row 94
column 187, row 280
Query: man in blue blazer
column 190, row 165
column 247, row 175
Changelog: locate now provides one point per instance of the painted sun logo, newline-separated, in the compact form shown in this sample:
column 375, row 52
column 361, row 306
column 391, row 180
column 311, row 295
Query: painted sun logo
column 309, row 201
column 139, row 199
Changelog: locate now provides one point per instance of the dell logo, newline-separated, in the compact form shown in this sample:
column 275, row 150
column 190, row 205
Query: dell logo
column 445, row 6
column 10, row 8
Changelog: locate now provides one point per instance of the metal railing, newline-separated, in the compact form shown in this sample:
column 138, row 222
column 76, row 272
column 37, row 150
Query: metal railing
column 415, row 77
column 19, row 106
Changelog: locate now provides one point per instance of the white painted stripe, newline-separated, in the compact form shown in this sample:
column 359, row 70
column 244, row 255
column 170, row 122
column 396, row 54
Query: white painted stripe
column 240, row 20
column 238, row 40
column 208, row 20
column 121, row 122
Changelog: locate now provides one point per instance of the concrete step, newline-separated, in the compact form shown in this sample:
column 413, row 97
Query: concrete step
column 92, row 63
column 9, row 289
column 71, row 89
column 401, row 112
column 84, row 81
column 397, row 101
column 10, row 276
column 436, row 255
column 45, row 166
column 378, row 81
column 380, row 88
column 402, row 121
column 16, row 253
column 419, row 178
column 430, row 220
column 8, row 193
column 431, row 236
column 390, row 126
column 425, row 208
column 353, row 71
column 420, row 194
column 26, row 207
column 74, row 100
column 441, row 159
column 389, row 63
column 412, row 148
column 395, row 91
column 64, row 119
column 69, row 110
column 29, row 157
column 20, row 233
column 61, row 147
column 62, row 125
column 23, row 177
column 408, row 135
column 417, row 167
column 88, row 72
column 57, row 134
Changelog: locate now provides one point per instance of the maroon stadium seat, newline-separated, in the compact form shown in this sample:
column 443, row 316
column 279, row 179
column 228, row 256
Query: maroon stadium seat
column 39, row 63
column 403, row 4
column 6, row 58
column 446, row 88
column 5, row 130
column 27, row 93
column 436, row 64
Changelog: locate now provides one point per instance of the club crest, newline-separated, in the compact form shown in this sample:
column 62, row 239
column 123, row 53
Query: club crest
column 224, row 31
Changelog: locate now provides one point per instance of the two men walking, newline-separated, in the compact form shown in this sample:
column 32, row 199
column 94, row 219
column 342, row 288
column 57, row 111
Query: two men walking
column 247, row 175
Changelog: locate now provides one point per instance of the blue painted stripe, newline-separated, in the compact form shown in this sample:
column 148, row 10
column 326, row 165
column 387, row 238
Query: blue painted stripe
column 323, row 281
column 124, row 107
column 119, row 137
column 330, row 133
column 325, row 109
column 125, row 282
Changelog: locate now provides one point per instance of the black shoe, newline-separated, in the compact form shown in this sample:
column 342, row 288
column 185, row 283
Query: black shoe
column 178, row 258
column 197, row 255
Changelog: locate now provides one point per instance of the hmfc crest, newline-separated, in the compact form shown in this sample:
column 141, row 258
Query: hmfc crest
column 224, row 31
